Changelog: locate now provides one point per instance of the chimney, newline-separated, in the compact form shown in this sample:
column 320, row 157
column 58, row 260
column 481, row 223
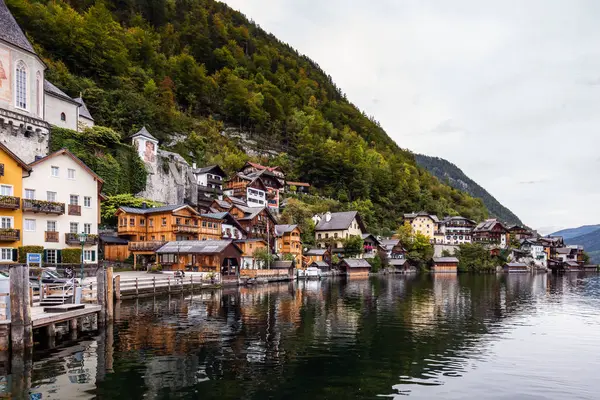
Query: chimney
column 194, row 165
column 328, row 216
column 144, row 205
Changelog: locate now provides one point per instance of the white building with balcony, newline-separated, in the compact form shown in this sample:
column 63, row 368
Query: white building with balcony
column 60, row 200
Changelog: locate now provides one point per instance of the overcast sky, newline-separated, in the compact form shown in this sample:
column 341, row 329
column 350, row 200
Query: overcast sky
column 507, row 90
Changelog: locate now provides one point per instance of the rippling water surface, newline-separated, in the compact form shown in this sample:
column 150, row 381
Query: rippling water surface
column 425, row 337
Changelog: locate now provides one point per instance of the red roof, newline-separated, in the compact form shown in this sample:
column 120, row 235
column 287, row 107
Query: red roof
column 289, row 183
column 270, row 169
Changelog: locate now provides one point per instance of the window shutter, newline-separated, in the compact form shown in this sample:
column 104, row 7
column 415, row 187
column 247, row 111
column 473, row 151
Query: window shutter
column 93, row 255
column 45, row 255
column 58, row 256
column 15, row 255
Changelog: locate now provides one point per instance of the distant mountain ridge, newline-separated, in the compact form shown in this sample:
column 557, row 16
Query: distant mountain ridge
column 575, row 232
column 449, row 173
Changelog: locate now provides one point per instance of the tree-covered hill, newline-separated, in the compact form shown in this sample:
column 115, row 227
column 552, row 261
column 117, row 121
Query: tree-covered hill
column 185, row 68
column 447, row 172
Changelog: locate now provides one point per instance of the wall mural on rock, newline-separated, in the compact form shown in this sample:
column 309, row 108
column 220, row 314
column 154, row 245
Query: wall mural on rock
column 5, row 75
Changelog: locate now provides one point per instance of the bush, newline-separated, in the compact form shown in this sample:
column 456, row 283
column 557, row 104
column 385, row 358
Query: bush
column 375, row 263
column 71, row 256
column 23, row 250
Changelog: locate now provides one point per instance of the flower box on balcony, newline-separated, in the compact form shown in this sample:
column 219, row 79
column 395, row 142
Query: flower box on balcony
column 10, row 202
column 41, row 206
column 9, row 235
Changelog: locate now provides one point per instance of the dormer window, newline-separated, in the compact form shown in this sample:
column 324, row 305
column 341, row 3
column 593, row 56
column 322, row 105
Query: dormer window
column 21, row 85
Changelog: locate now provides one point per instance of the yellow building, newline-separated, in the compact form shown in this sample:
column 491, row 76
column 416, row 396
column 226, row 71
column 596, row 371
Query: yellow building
column 423, row 223
column 12, row 171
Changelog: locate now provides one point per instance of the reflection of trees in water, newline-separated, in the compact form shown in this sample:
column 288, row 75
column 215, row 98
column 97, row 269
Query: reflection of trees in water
column 329, row 336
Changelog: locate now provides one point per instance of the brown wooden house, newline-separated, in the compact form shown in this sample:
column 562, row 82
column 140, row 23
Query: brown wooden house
column 316, row 255
column 248, row 247
column 251, row 189
column 355, row 267
column 201, row 255
column 287, row 241
column 491, row 231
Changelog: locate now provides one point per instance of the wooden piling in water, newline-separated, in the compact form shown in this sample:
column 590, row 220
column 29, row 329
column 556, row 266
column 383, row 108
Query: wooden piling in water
column 118, row 287
column 101, row 295
column 21, row 331
column 109, row 294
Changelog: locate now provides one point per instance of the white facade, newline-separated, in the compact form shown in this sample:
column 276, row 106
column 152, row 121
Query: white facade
column 146, row 146
column 229, row 231
column 61, row 112
column 60, row 178
column 256, row 197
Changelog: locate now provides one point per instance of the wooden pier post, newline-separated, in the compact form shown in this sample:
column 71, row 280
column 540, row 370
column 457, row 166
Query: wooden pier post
column 101, row 295
column 110, row 296
column 154, row 285
column 118, row 287
column 20, row 310
column 169, row 284
column 137, row 292
column 191, row 283
column 50, row 333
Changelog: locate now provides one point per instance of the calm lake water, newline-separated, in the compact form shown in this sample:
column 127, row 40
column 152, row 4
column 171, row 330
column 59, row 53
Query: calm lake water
column 425, row 337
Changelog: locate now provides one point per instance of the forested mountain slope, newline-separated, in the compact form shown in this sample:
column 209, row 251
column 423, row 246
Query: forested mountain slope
column 447, row 172
column 575, row 232
column 184, row 68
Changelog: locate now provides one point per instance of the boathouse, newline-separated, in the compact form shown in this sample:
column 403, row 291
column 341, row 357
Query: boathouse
column 355, row 267
column 201, row 255
column 401, row 265
column 590, row 268
column 513, row 267
column 445, row 265
column 322, row 265
column 571, row 266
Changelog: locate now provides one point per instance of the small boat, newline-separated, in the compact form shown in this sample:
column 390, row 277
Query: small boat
column 309, row 273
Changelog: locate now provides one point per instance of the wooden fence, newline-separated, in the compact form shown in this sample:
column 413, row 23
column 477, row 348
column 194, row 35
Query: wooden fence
column 264, row 273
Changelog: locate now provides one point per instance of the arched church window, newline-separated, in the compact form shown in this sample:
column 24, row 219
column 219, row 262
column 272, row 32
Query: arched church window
column 63, row 116
column 21, row 85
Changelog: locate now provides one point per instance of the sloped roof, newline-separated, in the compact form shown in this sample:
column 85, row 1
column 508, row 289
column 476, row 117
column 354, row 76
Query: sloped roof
column 22, row 163
column 144, row 132
column 315, row 252
column 339, row 221
column 197, row 246
column 389, row 244
column 113, row 239
column 83, row 110
column 565, row 250
column 154, row 210
column 397, row 262
column 572, row 263
column 303, row 184
column 281, row 229
column 368, row 235
column 11, row 32
column 516, row 265
column 74, row 158
column 215, row 169
column 445, row 260
column 238, row 201
column 320, row 264
column 50, row 88
column 488, row 225
column 282, row 264
column 224, row 215
column 223, row 203
column 356, row 262
column 259, row 166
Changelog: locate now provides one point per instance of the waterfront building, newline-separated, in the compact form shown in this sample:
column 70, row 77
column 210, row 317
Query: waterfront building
column 515, row 267
column 248, row 247
column 258, row 222
column 210, row 184
column 251, row 189
column 12, row 172
column 61, row 199
column 492, row 232
column 222, row 256
column 445, row 265
column 423, row 223
column 230, row 227
column 536, row 251
column 332, row 228
column 393, row 248
column 455, row 230
column 287, row 241
column 316, row 255
column 355, row 267
column 370, row 245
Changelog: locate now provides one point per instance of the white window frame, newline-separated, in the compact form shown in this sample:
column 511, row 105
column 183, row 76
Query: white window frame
column 69, row 172
column 87, row 228
column 87, row 201
column 87, row 255
column 76, row 225
column 51, row 256
column 54, row 168
column 10, row 190
column 55, row 225
column 6, row 250
column 11, row 222
column 74, row 196
column 18, row 66
column 26, row 226
column 25, row 191
column 48, row 195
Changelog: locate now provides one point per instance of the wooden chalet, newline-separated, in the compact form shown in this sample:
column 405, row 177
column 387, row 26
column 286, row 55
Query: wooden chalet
column 322, row 265
column 518, row 232
column 316, row 255
column 491, row 231
column 287, row 241
column 393, row 248
column 355, row 267
column 248, row 247
column 445, row 265
column 147, row 229
column 252, row 167
column 222, row 256
column 515, row 267
column 258, row 222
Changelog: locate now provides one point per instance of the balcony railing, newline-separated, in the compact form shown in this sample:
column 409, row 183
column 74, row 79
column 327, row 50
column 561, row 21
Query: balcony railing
column 10, row 235
column 51, row 236
column 10, row 202
column 40, row 206
column 183, row 228
column 73, row 239
column 146, row 246
column 74, row 209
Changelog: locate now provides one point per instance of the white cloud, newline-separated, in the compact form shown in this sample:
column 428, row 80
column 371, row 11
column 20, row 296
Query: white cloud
column 506, row 90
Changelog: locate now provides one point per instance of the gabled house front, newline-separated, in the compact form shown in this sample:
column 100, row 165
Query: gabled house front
column 333, row 228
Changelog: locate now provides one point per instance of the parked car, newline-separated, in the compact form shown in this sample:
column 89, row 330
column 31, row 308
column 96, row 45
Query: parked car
column 50, row 276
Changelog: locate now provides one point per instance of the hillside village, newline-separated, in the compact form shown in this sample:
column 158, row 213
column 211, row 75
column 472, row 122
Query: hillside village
column 198, row 218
